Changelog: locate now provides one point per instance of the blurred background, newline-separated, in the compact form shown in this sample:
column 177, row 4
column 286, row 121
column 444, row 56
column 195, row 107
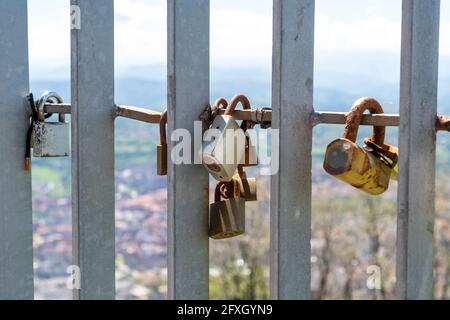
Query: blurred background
column 353, row 246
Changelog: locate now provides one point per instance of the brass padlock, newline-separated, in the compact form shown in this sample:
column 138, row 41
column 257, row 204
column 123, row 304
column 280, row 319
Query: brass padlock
column 161, row 152
column 247, row 186
column 367, row 168
column 390, row 152
column 227, row 217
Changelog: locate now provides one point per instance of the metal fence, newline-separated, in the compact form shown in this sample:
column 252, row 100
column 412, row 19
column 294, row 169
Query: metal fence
column 92, row 53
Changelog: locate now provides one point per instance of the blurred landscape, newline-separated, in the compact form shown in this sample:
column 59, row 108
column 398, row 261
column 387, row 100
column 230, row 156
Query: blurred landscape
column 351, row 232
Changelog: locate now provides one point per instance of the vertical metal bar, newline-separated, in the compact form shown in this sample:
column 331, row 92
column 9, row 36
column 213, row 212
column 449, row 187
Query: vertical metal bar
column 416, row 189
column 16, row 231
column 93, row 148
column 188, row 94
column 293, row 64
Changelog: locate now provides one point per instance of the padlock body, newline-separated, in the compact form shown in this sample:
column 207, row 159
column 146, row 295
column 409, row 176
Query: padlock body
column 357, row 166
column 248, row 188
column 227, row 218
column 51, row 139
column 250, row 158
column 224, row 152
column 394, row 173
column 161, row 162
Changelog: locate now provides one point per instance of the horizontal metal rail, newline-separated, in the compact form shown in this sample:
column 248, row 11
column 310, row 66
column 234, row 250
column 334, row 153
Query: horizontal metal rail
column 137, row 113
column 262, row 115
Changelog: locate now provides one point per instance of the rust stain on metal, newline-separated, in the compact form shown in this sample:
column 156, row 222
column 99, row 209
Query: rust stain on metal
column 354, row 119
column 443, row 123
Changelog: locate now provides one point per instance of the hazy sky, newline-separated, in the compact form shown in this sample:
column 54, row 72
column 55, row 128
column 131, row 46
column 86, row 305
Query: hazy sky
column 350, row 26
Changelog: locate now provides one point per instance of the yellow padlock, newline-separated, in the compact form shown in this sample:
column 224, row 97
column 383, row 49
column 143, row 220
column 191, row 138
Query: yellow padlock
column 367, row 168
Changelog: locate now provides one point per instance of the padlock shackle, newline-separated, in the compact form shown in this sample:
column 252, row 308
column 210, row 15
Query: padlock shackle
column 217, row 192
column 243, row 100
column 47, row 97
column 227, row 189
column 221, row 102
column 354, row 120
column 162, row 129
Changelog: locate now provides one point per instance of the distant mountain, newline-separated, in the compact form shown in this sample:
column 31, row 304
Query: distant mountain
column 340, row 79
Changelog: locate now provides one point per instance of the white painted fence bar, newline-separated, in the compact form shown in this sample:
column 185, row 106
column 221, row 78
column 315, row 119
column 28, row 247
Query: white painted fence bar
column 292, row 87
column 416, row 188
column 188, row 95
column 93, row 197
column 16, row 232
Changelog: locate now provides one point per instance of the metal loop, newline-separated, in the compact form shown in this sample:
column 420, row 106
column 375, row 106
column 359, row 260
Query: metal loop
column 221, row 102
column 354, row 119
column 220, row 192
column 227, row 190
column 240, row 98
column 47, row 97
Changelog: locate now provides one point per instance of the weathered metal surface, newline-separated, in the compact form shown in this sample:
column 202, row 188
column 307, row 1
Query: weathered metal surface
column 443, row 123
column 354, row 120
column 417, row 136
column 57, row 108
column 261, row 115
column 51, row 139
column 161, row 152
column 293, row 70
column 248, row 186
column 368, row 169
column 139, row 114
column 323, row 117
column 16, row 232
column 227, row 215
column 93, row 198
column 188, row 94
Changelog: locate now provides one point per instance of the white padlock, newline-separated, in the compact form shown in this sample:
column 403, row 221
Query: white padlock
column 224, row 149
column 50, row 139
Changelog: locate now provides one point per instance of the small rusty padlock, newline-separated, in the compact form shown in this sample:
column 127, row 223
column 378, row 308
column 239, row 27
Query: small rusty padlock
column 227, row 217
column 251, row 154
column 250, row 158
column 248, row 186
column 161, row 152
column 367, row 168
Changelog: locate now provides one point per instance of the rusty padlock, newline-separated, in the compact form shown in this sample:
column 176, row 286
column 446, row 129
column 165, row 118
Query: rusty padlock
column 227, row 217
column 250, row 158
column 367, row 168
column 248, row 186
column 251, row 154
column 161, row 152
